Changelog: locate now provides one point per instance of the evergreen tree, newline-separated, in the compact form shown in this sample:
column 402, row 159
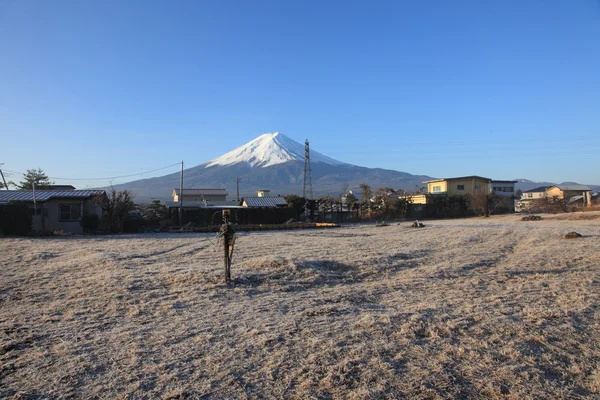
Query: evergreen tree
column 36, row 176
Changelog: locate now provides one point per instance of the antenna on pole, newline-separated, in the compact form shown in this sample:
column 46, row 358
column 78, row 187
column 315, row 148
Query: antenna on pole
column 307, row 190
column 3, row 178
column 181, row 196
column 34, row 207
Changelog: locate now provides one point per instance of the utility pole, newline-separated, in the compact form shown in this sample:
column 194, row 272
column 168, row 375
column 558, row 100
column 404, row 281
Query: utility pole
column 3, row 178
column 237, row 186
column 34, row 209
column 181, row 196
column 307, row 190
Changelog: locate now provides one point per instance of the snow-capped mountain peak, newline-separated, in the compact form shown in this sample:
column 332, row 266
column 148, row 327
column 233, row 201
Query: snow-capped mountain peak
column 270, row 149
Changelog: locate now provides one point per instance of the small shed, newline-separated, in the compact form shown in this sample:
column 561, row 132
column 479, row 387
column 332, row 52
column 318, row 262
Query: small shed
column 264, row 202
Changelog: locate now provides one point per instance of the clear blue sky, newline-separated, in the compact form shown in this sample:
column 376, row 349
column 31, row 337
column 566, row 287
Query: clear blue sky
column 505, row 89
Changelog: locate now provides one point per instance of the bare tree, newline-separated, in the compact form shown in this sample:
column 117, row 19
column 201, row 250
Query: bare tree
column 480, row 204
column 365, row 192
column 115, row 205
column 365, row 198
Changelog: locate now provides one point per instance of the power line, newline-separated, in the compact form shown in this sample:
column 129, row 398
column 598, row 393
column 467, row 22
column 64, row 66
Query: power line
column 506, row 156
column 508, row 150
column 102, row 179
column 484, row 142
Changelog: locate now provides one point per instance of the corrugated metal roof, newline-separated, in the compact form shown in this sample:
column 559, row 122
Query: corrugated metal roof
column 264, row 201
column 575, row 199
column 202, row 192
column 459, row 178
column 573, row 187
column 45, row 195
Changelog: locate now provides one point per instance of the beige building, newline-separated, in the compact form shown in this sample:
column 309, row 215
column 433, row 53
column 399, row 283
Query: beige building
column 459, row 186
column 415, row 198
column 562, row 192
column 535, row 194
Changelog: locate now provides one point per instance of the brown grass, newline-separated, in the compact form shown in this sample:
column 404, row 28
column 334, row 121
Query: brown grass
column 578, row 216
column 472, row 308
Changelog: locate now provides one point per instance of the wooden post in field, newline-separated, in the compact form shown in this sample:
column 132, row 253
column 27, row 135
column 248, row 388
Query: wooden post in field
column 226, row 244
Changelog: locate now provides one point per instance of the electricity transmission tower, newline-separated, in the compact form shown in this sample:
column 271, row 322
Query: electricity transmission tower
column 307, row 191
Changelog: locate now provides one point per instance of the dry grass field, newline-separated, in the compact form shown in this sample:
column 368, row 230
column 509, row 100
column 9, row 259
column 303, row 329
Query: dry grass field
column 470, row 308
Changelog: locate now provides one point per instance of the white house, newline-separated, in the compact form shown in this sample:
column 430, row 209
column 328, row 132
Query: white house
column 502, row 188
column 200, row 196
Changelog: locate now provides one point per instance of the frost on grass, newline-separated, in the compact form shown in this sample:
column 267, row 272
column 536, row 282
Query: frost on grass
column 471, row 308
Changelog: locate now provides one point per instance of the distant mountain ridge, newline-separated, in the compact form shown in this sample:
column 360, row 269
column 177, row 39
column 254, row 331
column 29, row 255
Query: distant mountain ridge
column 275, row 162
column 270, row 149
column 526, row 184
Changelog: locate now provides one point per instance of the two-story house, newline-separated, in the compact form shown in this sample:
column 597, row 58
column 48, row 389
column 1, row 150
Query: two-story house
column 503, row 188
column 535, row 193
column 565, row 192
column 472, row 185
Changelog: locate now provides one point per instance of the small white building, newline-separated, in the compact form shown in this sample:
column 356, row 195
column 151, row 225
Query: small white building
column 502, row 188
column 200, row 196
column 263, row 193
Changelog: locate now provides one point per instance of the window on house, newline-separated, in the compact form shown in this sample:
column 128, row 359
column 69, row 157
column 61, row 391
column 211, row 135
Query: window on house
column 70, row 212
column 509, row 189
column 437, row 189
column 529, row 194
column 460, row 187
column 477, row 187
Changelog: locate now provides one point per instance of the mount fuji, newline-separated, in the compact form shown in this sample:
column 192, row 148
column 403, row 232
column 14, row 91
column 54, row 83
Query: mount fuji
column 276, row 162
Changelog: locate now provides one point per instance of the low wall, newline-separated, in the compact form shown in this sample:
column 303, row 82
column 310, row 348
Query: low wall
column 240, row 216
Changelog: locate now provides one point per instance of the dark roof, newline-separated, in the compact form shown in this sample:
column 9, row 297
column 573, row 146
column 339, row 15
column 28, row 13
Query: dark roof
column 264, row 201
column 58, row 187
column 537, row 189
column 459, row 178
column 202, row 192
column 582, row 188
column 45, row 195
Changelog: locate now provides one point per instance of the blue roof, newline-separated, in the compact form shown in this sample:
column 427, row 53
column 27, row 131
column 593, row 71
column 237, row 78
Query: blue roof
column 45, row 195
column 265, row 201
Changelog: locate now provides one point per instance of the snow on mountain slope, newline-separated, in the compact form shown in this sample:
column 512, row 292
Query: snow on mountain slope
column 270, row 149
